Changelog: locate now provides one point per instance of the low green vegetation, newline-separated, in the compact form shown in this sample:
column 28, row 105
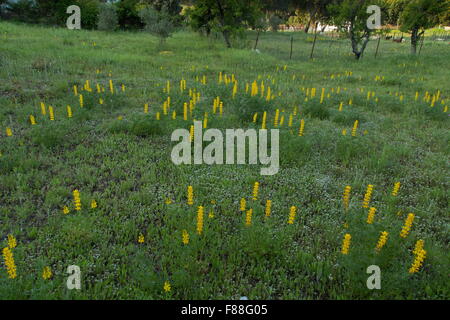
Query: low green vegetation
column 118, row 155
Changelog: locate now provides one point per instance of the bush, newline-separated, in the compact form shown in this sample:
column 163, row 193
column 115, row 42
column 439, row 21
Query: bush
column 107, row 18
column 274, row 22
column 158, row 23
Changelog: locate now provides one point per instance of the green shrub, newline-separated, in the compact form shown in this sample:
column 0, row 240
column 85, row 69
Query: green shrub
column 107, row 18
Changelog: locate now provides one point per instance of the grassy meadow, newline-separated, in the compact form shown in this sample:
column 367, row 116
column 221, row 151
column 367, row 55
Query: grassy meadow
column 140, row 236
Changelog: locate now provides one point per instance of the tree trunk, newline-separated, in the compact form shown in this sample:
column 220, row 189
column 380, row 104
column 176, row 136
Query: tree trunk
column 307, row 26
column 226, row 33
column 414, row 36
column 358, row 52
column 226, row 36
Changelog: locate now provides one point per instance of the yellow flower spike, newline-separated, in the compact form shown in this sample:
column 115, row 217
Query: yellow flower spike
column 407, row 226
column 111, row 86
column 185, row 111
column 8, row 257
column 12, row 243
column 168, row 201
column 382, row 241
column 263, row 126
column 158, row 116
column 248, row 217
column 355, row 128
column 291, row 119
column 43, row 111
column 344, row 132
column 66, row 210
column 346, row 243
column 75, row 91
column 418, row 261
column 346, row 197
column 51, row 113
column 46, row 273
column 69, row 112
column 367, row 196
column 190, row 195
column 242, row 205
column 167, row 286
column 341, row 105
column 191, row 133
column 93, row 204
column 76, row 199
column 9, row 132
column 418, row 247
column 200, row 213
column 396, row 188
column 185, row 237
column 268, row 208
column 146, row 108
column 32, row 120
column 141, row 238
column 174, row 115
column 292, row 213
column 255, row 190
column 81, row 101
column 302, row 128
column 371, row 215
column 211, row 214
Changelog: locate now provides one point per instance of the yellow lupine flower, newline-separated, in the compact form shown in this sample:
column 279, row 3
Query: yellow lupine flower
column 355, row 127
column 66, row 210
column 9, row 262
column 396, row 188
column 93, row 204
column 32, row 120
column 346, row 243
column 255, row 191
column 166, row 286
column 346, row 196
column 248, row 217
column 242, row 204
column 418, row 247
column 185, row 237
column 268, row 208
column 43, row 111
column 12, row 243
column 47, row 273
column 141, row 238
column 292, row 213
column 407, row 226
column 371, row 215
column 418, row 261
column 76, row 199
column 367, row 196
column 382, row 240
column 200, row 219
column 190, row 195
column 69, row 112
column 302, row 128
column 9, row 132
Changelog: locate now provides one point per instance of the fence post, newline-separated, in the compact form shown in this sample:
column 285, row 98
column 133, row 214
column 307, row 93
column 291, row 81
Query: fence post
column 292, row 42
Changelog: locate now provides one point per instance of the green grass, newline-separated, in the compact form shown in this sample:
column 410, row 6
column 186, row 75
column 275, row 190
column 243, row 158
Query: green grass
column 125, row 166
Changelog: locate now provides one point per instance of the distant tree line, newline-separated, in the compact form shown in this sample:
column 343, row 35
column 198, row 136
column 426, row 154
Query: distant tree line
column 232, row 17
